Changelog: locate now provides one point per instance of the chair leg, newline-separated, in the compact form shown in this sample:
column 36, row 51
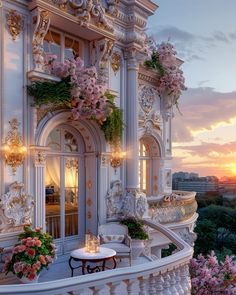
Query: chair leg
column 129, row 260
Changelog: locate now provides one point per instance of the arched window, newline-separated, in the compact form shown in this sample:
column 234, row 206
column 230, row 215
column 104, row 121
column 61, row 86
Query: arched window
column 63, row 182
column 149, row 156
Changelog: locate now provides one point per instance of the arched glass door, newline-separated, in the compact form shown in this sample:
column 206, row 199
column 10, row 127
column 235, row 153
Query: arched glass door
column 64, row 181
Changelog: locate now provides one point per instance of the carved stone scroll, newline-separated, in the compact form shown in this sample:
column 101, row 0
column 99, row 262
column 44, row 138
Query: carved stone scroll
column 17, row 206
column 40, row 31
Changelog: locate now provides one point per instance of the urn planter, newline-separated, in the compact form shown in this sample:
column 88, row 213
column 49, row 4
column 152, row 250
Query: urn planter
column 137, row 247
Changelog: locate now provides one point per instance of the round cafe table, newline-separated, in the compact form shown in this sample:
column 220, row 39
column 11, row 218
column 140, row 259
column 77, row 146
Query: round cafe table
column 85, row 258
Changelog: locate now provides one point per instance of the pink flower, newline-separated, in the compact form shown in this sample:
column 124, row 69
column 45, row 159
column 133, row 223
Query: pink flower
column 30, row 252
column 42, row 259
column 48, row 258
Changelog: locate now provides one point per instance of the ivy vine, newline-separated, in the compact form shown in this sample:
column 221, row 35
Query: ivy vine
column 113, row 127
column 154, row 63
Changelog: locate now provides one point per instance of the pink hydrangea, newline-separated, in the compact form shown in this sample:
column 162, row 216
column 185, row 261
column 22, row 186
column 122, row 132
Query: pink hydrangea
column 88, row 99
column 211, row 277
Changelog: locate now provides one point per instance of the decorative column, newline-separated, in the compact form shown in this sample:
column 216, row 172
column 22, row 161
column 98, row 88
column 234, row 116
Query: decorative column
column 39, row 154
column 132, row 121
column 135, row 203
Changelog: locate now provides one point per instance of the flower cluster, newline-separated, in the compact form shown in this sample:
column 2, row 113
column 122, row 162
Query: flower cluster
column 34, row 252
column 88, row 97
column 171, row 81
column 211, row 277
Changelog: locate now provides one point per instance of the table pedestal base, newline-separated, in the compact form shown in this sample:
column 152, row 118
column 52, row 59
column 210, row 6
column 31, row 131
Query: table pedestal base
column 91, row 269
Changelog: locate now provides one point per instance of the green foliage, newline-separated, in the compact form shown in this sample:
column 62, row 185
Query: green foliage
column 208, row 199
column 206, row 237
column 113, row 127
column 154, row 63
column 50, row 92
column 169, row 251
column 136, row 228
column 216, row 230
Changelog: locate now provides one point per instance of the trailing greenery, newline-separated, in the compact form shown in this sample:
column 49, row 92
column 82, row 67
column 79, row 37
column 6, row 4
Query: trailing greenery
column 58, row 94
column 113, row 127
column 154, row 63
column 136, row 228
column 48, row 92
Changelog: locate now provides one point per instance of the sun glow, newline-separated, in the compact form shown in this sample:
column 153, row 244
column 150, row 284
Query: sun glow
column 232, row 167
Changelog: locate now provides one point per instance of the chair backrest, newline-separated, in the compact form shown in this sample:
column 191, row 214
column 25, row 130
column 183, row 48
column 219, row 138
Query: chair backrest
column 112, row 228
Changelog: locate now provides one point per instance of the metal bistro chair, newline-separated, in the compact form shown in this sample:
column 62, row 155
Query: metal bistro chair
column 115, row 236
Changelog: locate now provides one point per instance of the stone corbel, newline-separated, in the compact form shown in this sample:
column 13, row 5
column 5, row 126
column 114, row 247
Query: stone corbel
column 42, row 22
column 100, row 53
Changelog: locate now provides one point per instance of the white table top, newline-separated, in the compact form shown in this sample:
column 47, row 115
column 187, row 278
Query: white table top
column 82, row 254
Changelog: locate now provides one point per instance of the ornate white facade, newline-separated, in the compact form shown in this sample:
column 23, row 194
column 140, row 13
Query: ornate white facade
column 109, row 35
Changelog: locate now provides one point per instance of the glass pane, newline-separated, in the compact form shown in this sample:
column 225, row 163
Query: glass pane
column 71, row 196
column 70, row 142
column 71, row 48
column 52, row 192
column 54, row 140
column 52, row 43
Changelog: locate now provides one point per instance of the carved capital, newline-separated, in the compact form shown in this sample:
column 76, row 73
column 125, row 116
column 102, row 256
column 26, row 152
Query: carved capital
column 42, row 22
column 39, row 158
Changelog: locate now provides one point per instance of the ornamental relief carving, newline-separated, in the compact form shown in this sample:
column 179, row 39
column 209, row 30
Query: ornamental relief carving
column 172, row 208
column 87, row 10
column 15, row 23
column 17, row 206
column 115, row 200
column 149, row 112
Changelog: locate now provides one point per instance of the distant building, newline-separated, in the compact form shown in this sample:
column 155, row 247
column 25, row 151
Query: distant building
column 185, row 181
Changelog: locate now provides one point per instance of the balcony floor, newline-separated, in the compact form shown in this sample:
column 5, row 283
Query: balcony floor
column 61, row 270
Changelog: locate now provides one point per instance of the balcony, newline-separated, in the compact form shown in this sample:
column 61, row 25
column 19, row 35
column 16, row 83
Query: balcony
column 148, row 275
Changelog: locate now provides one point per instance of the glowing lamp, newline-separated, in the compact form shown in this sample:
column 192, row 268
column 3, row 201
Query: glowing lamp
column 13, row 150
column 117, row 158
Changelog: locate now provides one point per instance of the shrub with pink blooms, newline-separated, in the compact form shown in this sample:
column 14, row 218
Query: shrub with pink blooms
column 211, row 277
column 171, row 80
column 34, row 252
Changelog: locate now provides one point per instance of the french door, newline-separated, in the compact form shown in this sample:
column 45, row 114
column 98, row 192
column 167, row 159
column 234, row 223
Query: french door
column 64, row 180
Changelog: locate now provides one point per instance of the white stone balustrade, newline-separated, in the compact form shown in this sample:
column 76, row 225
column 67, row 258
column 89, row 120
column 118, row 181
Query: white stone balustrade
column 169, row 275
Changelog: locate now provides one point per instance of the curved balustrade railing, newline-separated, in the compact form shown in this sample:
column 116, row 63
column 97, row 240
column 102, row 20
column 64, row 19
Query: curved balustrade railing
column 177, row 207
column 169, row 275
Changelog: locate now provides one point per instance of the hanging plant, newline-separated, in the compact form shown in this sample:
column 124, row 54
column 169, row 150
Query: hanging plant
column 113, row 127
column 171, row 80
column 80, row 91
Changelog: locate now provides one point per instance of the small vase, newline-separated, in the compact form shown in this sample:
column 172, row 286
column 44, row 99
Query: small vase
column 25, row 280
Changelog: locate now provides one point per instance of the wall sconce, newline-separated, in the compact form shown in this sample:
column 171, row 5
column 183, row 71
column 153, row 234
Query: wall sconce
column 13, row 150
column 117, row 158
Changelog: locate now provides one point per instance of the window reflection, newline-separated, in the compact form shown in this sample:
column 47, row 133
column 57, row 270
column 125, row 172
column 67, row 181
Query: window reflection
column 52, row 192
column 71, row 196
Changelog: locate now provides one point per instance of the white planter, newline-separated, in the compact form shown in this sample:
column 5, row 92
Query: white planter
column 137, row 247
column 25, row 280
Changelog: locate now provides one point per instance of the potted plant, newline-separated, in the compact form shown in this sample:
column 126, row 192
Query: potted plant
column 34, row 252
column 137, row 234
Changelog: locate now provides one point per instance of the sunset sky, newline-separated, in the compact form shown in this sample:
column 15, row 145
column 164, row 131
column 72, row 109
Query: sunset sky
column 204, row 34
